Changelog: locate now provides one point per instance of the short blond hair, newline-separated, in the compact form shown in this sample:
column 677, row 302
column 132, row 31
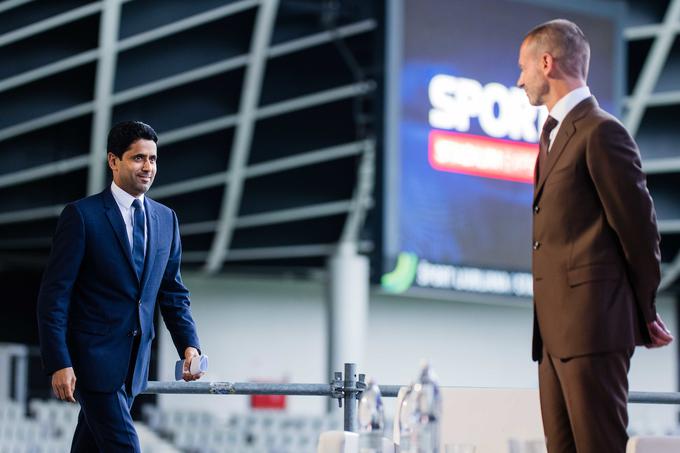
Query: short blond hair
column 565, row 41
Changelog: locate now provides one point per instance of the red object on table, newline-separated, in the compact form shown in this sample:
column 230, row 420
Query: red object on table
column 276, row 402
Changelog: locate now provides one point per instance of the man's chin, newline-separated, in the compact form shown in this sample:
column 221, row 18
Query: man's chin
column 143, row 188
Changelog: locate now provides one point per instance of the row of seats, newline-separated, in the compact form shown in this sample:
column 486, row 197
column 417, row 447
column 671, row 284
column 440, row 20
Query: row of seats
column 49, row 446
column 47, row 428
column 24, row 430
column 49, row 425
column 220, row 439
column 10, row 410
column 255, row 432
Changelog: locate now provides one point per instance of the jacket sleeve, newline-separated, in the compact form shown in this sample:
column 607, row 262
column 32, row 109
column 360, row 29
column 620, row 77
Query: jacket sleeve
column 614, row 164
column 59, row 278
column 173, row 299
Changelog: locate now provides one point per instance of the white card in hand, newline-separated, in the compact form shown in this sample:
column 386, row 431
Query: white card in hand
column 199, row 364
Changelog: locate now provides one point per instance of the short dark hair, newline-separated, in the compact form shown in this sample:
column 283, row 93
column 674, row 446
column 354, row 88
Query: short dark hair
column 565, row 41
column 124, row 134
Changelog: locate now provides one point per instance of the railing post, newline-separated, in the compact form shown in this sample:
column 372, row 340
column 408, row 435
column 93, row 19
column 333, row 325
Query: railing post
column 350, row 397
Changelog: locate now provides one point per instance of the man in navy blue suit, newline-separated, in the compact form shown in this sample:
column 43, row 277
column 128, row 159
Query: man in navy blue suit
column 114, row 256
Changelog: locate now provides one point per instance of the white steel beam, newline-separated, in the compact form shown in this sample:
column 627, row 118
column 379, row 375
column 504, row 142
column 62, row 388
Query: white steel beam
column 194, row 130
column 201, row 182
column 277, row 108
column 186, row 24
column 661, row 165
column 49, row 23
column 10, row 4
column 188, row 229
column 179, row 79
column 189, row 185
column 106, row 70
column 362, row 199
column 30, row 214
column 670, row 273
column 646, row 31
column 188, row 76
column 321, row 38
column 294, row 214
column 46, row 120
column 303, row 159
column 48, row 70
column 263, row 168
column 250, row 96
column 652, row 67
column 659, row 99
column 272, row 217
column 281, row 252
column 59, row 167
column 224, row 122
column 671, row 226
column 311, row 100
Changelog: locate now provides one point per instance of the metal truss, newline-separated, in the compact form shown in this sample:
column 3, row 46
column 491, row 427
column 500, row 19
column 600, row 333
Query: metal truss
column 644, row 96
column 105, row 99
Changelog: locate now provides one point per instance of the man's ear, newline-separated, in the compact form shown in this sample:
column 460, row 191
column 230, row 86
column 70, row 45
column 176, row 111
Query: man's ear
column 548, row 64
column 112, row 160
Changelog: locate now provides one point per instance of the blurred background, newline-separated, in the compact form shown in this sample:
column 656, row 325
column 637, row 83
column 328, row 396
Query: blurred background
column 297, row 145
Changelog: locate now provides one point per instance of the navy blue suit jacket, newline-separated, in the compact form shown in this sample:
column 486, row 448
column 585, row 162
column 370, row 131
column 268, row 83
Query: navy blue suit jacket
column 91, row 303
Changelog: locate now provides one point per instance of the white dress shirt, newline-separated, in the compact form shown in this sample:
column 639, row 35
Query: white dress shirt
column 124, row 201
column 565, row 105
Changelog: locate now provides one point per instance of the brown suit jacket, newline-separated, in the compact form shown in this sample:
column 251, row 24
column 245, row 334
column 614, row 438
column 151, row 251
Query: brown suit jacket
column 596, row 243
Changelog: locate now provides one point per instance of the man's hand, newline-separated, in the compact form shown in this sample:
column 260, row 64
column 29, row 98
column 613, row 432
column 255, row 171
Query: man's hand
column 189, row 353
column 659, row 334
column 64, row 384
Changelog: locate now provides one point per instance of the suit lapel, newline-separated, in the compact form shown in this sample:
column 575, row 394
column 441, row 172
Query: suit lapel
column 152, row 240
column 566, row 131
column 118, row 225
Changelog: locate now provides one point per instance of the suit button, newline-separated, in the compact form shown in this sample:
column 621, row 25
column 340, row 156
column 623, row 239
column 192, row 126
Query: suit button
column 536, row 245
column 133, row 333
column 139, row 303
column 537, row 209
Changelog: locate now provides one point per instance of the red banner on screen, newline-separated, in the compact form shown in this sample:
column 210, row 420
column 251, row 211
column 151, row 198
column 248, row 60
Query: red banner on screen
column 482, row 156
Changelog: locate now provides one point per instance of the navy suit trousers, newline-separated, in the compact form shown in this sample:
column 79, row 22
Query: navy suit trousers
column 104, row 423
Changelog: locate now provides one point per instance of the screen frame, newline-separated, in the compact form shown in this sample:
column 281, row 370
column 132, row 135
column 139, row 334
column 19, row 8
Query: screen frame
column 394, row 36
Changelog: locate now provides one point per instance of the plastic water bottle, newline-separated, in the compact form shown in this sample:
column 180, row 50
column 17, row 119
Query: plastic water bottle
column 420, row 414
column 407, row 420
column 428, row 410
column 371, row 419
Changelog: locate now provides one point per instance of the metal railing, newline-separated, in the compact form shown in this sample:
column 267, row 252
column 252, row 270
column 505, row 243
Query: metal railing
column 346, row 390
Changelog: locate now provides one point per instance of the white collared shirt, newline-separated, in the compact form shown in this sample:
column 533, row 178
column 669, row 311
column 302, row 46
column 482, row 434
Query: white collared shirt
column 124, row 201
column 565, row 105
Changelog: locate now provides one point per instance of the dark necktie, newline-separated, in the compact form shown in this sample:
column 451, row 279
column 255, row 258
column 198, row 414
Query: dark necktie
column 548, row 126
column 138, row 238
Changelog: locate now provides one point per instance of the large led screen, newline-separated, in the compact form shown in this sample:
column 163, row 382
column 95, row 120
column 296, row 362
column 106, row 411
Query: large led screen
column 462, row 139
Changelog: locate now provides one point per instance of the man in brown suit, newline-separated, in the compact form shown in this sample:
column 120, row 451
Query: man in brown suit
column 595, row 250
